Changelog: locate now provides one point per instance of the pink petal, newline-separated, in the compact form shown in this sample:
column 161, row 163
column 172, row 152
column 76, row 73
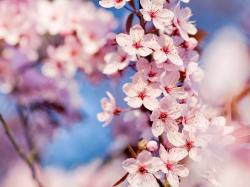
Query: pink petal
column 157, row 128
column 130, row 165
column 176, row 139
column 173, row 179
column 180, row 170
column 177, row 154
column 150, row 103
column 164, row 155
column 123, row 39
column 136, row 33
column 134, row 102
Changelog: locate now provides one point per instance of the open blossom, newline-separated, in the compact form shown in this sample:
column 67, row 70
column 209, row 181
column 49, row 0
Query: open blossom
column 149, row 70
column 152, row 10
column 140, row 92
column 189, row 142
column 56, row 66
column 182, row 22
column 113, row 3
column 136, row 43
column 109, row 109
column 165, row 49
column 116, row 61
column 194, row 72
column 169, row 81
column 171, row 167
column 142, row 169
column 164, row 117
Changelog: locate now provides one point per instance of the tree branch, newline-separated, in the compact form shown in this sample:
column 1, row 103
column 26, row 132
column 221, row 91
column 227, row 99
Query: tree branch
column 19, row 150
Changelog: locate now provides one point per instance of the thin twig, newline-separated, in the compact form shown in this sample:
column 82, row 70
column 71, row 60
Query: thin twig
column 19, row 150
column 121, row 180
column 132, row 152
column 25, row 125
column 129, row 9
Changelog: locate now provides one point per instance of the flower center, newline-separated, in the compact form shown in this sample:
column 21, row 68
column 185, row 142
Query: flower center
column 118, row 1
column 137, row 45
column 73, row 52
column 152, row 14
column 142, row 170
column 165, row 50
column 169, row 166
column 167, row 89
column 189, row 145
column 123, row 58
column 163, row 116
column 151, row 74
column 117, row 111
column 142, row 95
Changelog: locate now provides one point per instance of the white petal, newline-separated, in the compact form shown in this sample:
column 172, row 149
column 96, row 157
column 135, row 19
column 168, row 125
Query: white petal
column 110, row 68
column 177, row 154
column 107, row 3
column 144, row 51
column 175, row 59
column 123, row 39
column 157, row 128
column 180, row 170
column 173, row 179
column 150, row 103
column 136, row 33
column 146, row 4
column 195, row 154
column 144, row 156
column 160, row 56
column 130, row 165
column 163, row 153
column 176, row 139
column 134, row 102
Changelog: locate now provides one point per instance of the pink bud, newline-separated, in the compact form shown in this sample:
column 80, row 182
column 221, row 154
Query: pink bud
column 152, row 146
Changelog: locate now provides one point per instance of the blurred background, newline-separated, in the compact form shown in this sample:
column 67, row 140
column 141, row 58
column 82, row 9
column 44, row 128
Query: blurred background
column 72, row 151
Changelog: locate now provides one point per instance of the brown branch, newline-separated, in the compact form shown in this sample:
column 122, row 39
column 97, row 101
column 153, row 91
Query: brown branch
column 132, row 152
column 121, row 180
column 19, row 150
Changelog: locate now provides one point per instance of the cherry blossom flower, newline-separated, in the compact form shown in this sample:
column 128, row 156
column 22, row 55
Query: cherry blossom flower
column 169, row 81
column 149, row 70
column 56, row 65
column 52, row 17
column 170, row 166
column 182, row 22
column 116, row 61
column 190, row 143
column 165, row 49
column 139, row 93
column 109, row 109
column 164, row 117
column 113, row 3
column 136, row 43
column 142, row 169
column 194, row 72
column 153, row 10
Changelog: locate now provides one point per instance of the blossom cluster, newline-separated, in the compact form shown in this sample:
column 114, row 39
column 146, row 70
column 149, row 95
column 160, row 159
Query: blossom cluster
column 44, row 45
column 178, row 126
column 43, row 36
column 54, row 41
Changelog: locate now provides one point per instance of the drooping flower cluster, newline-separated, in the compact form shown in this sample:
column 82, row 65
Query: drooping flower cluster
column 162, row 50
